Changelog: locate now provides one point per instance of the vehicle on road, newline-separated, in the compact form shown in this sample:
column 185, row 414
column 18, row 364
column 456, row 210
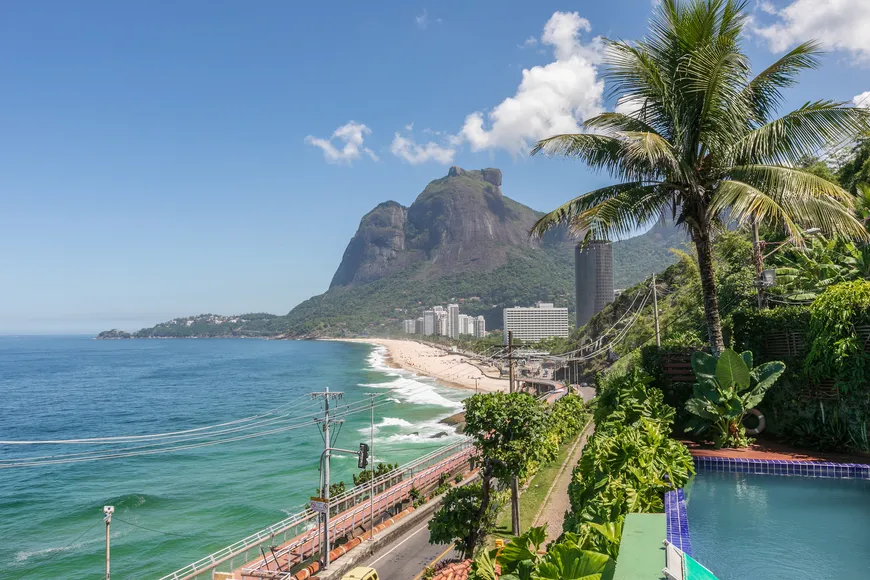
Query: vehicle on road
column 361, row 573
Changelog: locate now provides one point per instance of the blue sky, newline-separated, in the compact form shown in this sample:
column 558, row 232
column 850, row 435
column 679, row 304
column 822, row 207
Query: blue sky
column 160, row 159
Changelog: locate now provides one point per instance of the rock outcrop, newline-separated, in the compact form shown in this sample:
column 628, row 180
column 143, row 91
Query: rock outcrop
column 458, row 222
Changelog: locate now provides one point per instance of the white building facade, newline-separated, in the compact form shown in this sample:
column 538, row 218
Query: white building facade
column 408, row 326
column 453, row 320
column 430, row 321
column 537, row 323
column 480, row 327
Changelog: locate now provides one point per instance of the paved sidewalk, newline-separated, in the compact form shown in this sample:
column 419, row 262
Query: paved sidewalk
column 553, row 511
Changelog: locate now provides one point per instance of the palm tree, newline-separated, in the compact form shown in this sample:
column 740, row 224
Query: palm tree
column 701, row 140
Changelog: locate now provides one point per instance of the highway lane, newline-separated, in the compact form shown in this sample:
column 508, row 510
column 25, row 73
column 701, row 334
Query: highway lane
column 408, row 556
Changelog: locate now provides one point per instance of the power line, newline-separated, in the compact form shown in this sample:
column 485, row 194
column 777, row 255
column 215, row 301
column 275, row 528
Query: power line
column 79, row 537
column 126, row 452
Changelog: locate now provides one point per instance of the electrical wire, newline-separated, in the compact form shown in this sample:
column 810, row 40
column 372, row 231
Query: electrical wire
column 343, row 411
column 133, row 438
column 79, row 537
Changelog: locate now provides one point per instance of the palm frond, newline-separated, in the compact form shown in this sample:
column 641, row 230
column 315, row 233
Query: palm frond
column 764, row 92
column 800, row 133
column 623, row 213
column 603, row 152
column 791, row 197
column 575, row 212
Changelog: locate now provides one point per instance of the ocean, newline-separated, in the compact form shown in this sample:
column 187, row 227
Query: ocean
column 172, row 508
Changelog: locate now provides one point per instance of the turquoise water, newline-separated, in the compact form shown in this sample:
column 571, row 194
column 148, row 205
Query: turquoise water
column 780, row 528
column 197, row 500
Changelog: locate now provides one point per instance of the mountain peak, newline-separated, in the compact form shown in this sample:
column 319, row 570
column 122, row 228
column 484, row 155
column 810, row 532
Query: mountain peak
column 457, row 223
column 489, row 174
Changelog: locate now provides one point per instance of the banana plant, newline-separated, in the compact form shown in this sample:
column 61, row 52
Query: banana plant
column 726, row 390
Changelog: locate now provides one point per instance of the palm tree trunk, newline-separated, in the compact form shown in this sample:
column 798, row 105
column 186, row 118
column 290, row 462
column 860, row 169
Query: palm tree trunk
column 704, row 247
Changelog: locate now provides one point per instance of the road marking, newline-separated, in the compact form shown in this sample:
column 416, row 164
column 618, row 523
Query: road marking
column 411, row 535
column 435, row 561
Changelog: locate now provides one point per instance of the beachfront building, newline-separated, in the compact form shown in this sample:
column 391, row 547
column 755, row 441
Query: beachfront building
column 463, row 324
column 408, row 326
column 429, row 322
column 480, row 327
column 418, row 325
column 442, row 323
column 453, row 320
column 537, row 323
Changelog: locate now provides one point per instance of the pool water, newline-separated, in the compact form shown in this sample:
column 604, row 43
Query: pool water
column 766, row 527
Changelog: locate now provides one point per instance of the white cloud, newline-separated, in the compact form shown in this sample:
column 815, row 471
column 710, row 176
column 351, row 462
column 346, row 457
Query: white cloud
column 628, row 106
column 352, row 135
column 551, row 99
column 409, row 126
column 414, row 153
column 767, row 7
column 838, row 24
column 862, row 100
column 422, row 20
column 529, row 42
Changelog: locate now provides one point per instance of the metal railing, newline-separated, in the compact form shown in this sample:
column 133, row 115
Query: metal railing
column 308, row 543
column 307, row 518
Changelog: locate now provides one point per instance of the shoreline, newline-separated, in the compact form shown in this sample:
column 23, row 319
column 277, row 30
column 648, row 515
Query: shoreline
column 452, row 370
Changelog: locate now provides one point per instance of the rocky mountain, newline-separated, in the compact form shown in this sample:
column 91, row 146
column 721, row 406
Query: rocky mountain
column 460, row 222
column 462, row 240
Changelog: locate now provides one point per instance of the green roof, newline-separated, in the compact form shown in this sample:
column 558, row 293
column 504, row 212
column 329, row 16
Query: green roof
column 641, row 553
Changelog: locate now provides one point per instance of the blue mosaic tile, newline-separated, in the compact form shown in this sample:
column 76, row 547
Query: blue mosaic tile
column 783, row 467
column 677, row 520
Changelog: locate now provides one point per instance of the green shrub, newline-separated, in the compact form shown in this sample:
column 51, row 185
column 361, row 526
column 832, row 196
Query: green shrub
column 836, row 351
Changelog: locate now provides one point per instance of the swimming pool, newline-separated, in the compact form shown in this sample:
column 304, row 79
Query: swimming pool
column 771, row 527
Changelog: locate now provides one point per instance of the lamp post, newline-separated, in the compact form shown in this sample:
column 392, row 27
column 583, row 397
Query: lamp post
column 767, row 278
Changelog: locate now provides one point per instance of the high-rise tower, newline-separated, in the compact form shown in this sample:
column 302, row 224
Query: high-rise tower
column 593, row 278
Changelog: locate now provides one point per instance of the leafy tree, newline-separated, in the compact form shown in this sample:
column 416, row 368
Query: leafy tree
column 511, row 432
column 727, row 389
column 521, row 559
column 702, row 142
column 803, row 274
column 366, row 475
column 461, row 519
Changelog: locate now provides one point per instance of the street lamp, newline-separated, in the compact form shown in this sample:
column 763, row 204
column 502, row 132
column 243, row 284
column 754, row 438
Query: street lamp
column 767, row 278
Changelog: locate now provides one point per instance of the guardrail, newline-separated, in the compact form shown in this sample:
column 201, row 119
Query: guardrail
column 309, row 542
column 307, row 518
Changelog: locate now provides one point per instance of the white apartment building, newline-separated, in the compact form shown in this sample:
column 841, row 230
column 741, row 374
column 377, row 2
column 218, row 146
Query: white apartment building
column 480, row 327
column 469, row 325
column 453, row 320
column 442, row 324
column 537, row 323
column 430, row 321
column 408, row 326
column 418, row 325
column 463, row 324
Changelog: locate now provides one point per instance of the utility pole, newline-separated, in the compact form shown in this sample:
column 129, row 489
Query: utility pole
column 656, row 311
column 372, row 479
column 325, row 545
column 758, row 259
column 510, row 361
column 108, row 510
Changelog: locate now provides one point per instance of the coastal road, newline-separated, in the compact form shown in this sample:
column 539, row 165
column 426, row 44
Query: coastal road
column 408, row 557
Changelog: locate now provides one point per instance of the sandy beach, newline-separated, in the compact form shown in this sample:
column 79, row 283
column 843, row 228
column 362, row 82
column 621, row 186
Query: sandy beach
column 452, row 369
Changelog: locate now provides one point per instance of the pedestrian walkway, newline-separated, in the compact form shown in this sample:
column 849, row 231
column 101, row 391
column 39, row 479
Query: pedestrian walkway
column 552, row 512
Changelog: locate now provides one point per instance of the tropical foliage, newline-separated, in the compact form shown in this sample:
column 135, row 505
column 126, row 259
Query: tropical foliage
column 702, row 140
column 804, row 273
column 837, row 350
column 727, row 388
column 629, row 462
column 514, row 434
column 460, row 519
column 522, row 559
